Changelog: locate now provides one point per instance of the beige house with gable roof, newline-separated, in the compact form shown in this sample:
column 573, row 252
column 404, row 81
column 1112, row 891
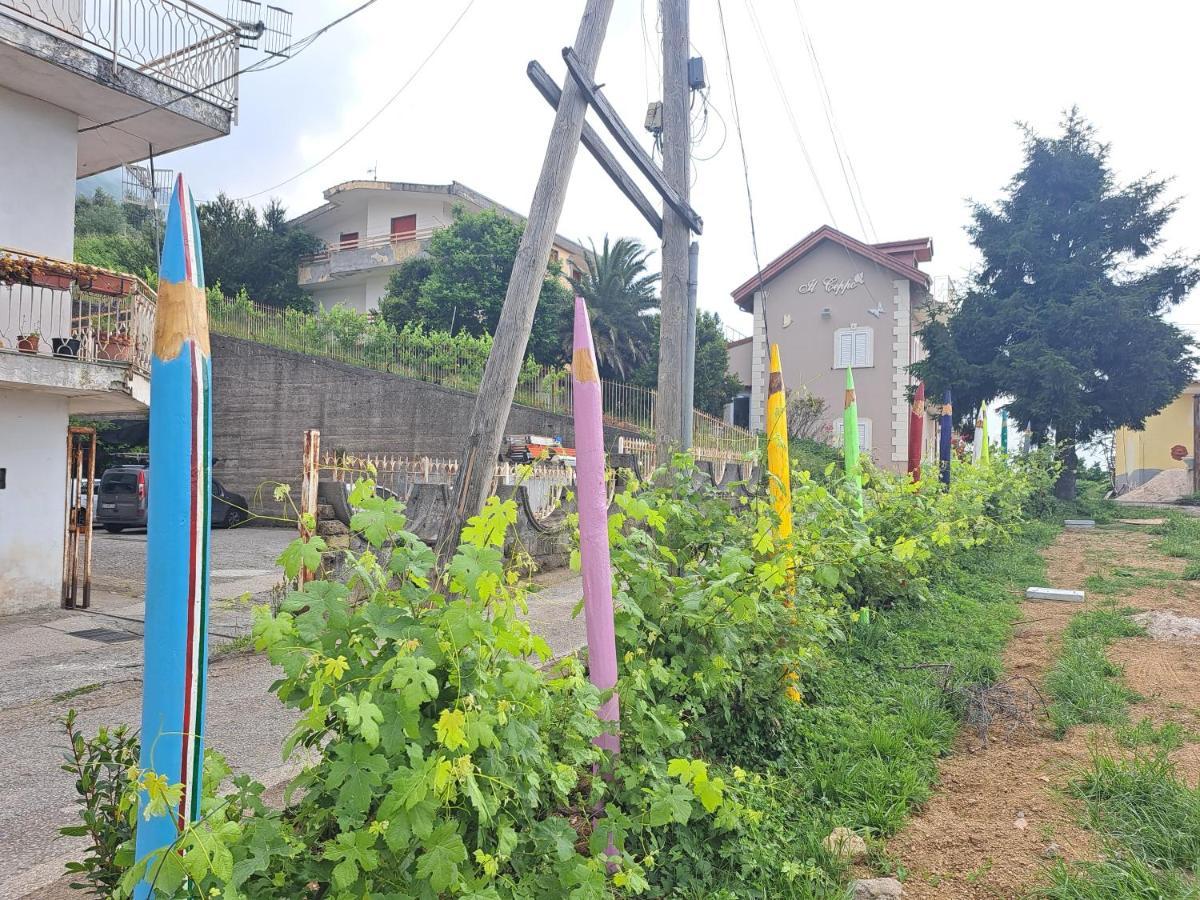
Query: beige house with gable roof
column 829, row 302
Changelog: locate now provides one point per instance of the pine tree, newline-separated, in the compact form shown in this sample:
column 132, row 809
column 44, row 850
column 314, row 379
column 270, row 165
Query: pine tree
column 1065, row 316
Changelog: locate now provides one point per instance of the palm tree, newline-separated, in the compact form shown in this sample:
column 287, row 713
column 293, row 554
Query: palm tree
column 620, row 294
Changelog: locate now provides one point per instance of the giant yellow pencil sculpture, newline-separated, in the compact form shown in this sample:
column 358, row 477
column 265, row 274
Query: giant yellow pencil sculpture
column 778, row 468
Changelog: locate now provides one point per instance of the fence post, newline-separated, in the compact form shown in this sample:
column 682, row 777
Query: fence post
column 308, row 491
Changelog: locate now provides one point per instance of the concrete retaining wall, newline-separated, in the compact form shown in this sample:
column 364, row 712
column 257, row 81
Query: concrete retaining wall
column 265, row 398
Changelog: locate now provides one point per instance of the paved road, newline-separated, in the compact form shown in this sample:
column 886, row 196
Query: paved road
column 46, row 669
column 242, row 555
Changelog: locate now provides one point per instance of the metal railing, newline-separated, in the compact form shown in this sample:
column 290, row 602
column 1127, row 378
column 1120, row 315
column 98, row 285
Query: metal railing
column 49, row 307
column 456, row 364
column 368, row 242
column 175, row 41
column 544, row 483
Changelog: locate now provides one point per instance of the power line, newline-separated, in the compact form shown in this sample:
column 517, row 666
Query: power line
column 377, row 114
column 791, row 115
column 737, row 127
column 831, row 120
column 290, row 52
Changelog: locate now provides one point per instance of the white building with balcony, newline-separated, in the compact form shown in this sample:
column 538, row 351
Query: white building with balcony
column 85, row 86
column 369, row 228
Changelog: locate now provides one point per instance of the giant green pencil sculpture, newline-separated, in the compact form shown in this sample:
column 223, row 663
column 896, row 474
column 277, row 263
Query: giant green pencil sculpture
column 850, row 448
column 177, row 564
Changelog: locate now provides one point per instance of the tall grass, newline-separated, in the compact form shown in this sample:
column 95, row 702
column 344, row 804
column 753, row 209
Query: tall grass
column 1085, row 686
column 1151, row 819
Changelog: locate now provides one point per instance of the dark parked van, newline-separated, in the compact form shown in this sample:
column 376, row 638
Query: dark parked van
column 125, row 494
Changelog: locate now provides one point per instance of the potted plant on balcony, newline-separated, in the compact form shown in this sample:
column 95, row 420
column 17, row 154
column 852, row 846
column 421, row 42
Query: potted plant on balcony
column 68, row 347
column 28, row 342
column 42, row 275
column 108, row 283
column 115, row 345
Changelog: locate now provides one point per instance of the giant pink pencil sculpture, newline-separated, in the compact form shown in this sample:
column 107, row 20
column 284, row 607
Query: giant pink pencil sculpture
column 593, row 523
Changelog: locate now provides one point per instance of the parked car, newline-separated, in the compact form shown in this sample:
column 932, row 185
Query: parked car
column 123, row 500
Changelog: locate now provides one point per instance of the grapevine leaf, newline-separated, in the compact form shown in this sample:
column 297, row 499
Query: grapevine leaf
column 444, row 852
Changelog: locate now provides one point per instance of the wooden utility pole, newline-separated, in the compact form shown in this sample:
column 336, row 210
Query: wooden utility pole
column 499, row 383
column 676, row 146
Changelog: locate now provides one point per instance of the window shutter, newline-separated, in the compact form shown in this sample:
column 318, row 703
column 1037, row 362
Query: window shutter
column 845, row 349
column 862, row 349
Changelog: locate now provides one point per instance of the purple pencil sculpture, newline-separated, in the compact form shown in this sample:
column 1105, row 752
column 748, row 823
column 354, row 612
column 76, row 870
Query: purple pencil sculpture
column 593, row 523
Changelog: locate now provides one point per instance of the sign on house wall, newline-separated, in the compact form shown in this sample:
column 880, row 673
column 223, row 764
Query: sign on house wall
column 834, row 284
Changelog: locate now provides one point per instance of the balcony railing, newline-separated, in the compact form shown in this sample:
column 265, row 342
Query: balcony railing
column 368, row 242
column 49, row 307
column 176, row 42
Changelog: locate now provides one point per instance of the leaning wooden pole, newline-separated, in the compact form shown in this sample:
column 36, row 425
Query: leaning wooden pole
column 482, row 446
column 916, row 431
column 778, row 464
column 945, row 438
column 592, row 503
column 177, row 548
column 850, row 448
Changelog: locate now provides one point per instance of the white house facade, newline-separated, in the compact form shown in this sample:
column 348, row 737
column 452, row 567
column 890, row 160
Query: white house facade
column 84, row 87
column 832, row 302
column 369, row 228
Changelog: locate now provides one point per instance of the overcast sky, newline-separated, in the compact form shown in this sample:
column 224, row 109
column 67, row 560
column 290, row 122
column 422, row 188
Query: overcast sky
column 926, row 98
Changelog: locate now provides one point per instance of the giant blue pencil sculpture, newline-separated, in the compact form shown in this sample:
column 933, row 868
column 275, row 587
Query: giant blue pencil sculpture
column 945, row 434
column 176, row 635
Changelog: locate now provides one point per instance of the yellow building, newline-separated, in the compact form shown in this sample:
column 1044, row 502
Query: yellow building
column 1165, row 443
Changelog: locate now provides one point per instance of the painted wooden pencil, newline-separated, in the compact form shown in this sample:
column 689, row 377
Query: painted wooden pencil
column 778, row 464
column 945, row 437
column 177, row 543
column 850, row 442
column 591, row 499
column 916, row 431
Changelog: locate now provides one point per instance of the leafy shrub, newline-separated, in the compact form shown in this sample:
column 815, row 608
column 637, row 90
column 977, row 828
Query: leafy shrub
column 442, row 761
column 99, row 766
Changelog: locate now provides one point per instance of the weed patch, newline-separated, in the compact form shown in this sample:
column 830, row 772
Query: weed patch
column 1085, row 686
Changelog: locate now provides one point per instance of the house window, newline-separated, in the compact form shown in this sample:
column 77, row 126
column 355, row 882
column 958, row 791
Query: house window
column 864, row 434
column 404, row 228
column 348, row 240
column 576, row 275
column 554, row 255
column 853, row 347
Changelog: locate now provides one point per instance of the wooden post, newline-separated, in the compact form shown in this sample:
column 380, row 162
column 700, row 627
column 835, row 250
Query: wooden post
column 778, row 461
column 850, row 447
column 309, row 479
column 1196, row 443
column 945, row 438
column 916, row 431
column 177, row 541
column 89, row 520
column 499, row 382
column 676, row 140
column 593, row 524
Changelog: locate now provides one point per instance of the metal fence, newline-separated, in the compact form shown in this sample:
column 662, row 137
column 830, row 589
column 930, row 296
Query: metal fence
column 176, row 41
column 546, row 484
column 49, row 307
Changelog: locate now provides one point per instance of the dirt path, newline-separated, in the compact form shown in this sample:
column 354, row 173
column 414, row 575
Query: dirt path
column 999, row 816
